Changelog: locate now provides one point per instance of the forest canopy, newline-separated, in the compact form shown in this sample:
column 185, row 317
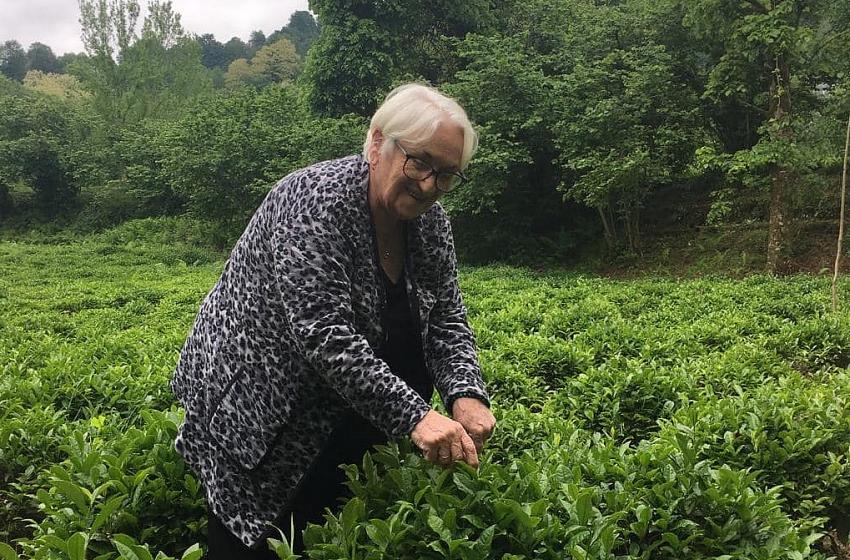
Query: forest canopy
column 599, row 120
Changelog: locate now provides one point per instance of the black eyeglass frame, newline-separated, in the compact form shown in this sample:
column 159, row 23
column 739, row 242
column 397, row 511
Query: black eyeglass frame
column 434, row 172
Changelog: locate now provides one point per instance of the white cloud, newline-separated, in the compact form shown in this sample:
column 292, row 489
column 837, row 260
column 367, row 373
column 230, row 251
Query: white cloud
column 56, row 22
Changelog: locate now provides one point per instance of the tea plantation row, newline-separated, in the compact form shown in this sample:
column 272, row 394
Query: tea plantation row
column 654, row 418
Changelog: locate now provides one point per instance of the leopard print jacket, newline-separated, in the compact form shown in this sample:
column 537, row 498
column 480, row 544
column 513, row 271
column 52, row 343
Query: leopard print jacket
column 284, row 343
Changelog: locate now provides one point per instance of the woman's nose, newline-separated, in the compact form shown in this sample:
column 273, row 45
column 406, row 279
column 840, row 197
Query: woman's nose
column 428, row 185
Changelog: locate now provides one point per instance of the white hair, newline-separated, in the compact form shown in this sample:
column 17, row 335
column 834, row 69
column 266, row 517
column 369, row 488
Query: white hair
column 412, row 112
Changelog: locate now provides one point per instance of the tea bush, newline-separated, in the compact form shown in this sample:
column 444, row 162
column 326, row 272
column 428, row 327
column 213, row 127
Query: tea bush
column 792, row 433
column 652, row 418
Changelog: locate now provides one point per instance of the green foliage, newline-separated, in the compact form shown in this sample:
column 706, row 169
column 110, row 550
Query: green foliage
column 645, row 419
column 132, row 78
column 13, row 60
column 212, row 52
column 118, row 481
column 774, row 68
column 217, row 161
column 302, row 30
column 506, row 92
column 225, row 153
column 97, row 449
column 36, row 139
column 568, row 113
column 274, row 63
column 62, row 86
column 588, row 112
column 163, row 79
column 141, row 152
column 235, row 49
column 511, row 206
column 346, row 69
column 365, row 47
column 616, row 139
column 40, row 57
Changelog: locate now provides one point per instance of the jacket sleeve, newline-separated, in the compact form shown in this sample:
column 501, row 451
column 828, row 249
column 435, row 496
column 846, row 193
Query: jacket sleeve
column 451, row 344
column 313, row 265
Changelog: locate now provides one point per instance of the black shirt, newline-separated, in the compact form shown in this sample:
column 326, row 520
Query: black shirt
column 402, row 347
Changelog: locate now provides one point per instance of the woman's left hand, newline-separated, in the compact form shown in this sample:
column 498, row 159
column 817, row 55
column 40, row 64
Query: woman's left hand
column 475, row 418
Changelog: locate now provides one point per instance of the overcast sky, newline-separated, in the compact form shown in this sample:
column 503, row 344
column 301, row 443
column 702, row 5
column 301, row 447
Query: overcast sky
column 56, row 22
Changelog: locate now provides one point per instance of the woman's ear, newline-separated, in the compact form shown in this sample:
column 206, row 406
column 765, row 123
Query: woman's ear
column 375, row 147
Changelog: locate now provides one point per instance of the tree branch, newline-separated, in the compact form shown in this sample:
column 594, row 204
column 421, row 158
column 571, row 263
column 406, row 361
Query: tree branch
column 824, row 44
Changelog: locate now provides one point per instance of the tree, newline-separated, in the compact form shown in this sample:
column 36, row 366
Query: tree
column 40, row 57
column 277, row 62
column 624, row 128
column 302, row 30
column 13, row 60
column 134, row 78
column 35, row 144
column 239, row 73
column 108, row 28
column 212, row 52
column 8, row 88
column 510, row 204
column 841, row 221
column 162, row 81
column 107, row 31
column 770, row 54
column 274, row 63
column 162, row 25
column 234, row 49
column 349, row 66
column 66, row 60
column 583, row 116
column 63, row 86
column 257, row 40
column 363, row 46
column 225, row 153
column 505, row 92
column 6, row 202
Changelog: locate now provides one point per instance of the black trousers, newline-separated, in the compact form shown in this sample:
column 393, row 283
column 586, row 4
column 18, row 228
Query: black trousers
column 322, row 486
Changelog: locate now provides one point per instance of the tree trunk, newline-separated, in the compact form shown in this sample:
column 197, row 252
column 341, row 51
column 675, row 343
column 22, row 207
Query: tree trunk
column 610, row 236
column 5, row 200
column 636, row 230
column 627, row 227
column 778, row 223
column 841, row 220
column 781, row 177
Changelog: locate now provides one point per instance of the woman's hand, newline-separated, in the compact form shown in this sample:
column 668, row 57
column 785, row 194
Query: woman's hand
column 443, row 441
column 475, row 418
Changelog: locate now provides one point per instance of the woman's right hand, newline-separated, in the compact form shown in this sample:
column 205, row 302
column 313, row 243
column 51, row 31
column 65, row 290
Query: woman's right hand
column 443, row 441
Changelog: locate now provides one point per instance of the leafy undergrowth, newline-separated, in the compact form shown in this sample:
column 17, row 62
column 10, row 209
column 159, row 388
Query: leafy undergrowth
column 651, row 418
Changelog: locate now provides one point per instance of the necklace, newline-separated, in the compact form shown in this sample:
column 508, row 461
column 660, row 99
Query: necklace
column 385, row 253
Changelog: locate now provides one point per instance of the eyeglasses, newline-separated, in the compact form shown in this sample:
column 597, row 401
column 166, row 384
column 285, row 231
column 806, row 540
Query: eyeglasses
column 419, row 170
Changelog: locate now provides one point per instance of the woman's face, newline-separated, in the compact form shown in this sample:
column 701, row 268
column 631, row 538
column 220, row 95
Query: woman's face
column 391, row 191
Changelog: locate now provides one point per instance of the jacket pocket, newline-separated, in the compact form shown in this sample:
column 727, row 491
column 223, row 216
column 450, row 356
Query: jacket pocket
column 250, row 415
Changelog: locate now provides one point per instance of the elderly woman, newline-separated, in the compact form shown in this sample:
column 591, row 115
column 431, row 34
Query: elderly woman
column 336, row 315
